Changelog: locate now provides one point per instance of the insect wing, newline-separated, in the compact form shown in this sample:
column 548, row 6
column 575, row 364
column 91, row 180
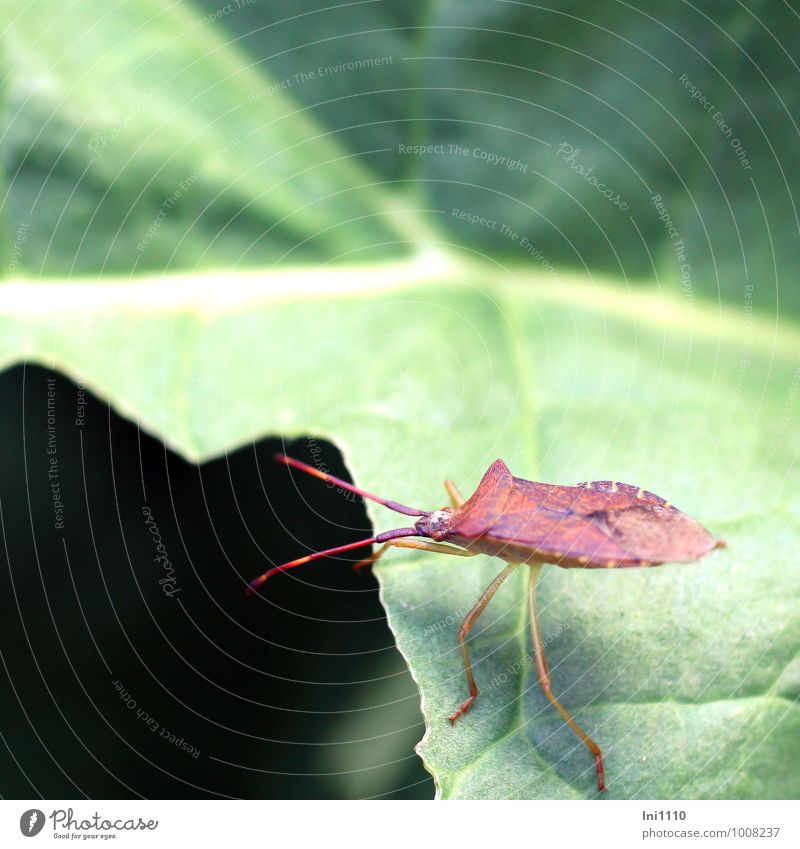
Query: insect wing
column 597, row 527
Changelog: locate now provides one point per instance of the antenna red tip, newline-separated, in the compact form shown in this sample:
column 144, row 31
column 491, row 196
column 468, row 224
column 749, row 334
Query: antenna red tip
column 256, row 583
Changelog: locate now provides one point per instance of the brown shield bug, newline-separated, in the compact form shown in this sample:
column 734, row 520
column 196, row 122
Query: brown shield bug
column 593, row 525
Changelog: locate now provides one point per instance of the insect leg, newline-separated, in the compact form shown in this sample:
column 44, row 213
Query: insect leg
column 413, row 543
column 367, row 561
column 543, row 672
column 470, row 619
column 452, row 491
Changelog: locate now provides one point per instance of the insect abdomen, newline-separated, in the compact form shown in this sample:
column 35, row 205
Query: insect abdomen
column 513, row 552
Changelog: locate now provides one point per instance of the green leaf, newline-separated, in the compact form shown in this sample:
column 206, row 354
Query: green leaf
column 147, row 139
column 687, row 675
column 290, row 150
column 151, row 139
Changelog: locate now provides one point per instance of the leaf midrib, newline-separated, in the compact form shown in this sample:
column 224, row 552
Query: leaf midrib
column 216, row 294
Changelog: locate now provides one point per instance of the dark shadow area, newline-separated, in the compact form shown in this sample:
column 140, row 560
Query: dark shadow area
column 134, row 664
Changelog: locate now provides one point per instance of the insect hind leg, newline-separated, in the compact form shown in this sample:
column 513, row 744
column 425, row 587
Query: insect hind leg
column 543, row 673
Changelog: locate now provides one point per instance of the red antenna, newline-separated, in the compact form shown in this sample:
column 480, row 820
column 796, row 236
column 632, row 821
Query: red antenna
column 384, row 537
column 392, row 505
column 380, row 538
